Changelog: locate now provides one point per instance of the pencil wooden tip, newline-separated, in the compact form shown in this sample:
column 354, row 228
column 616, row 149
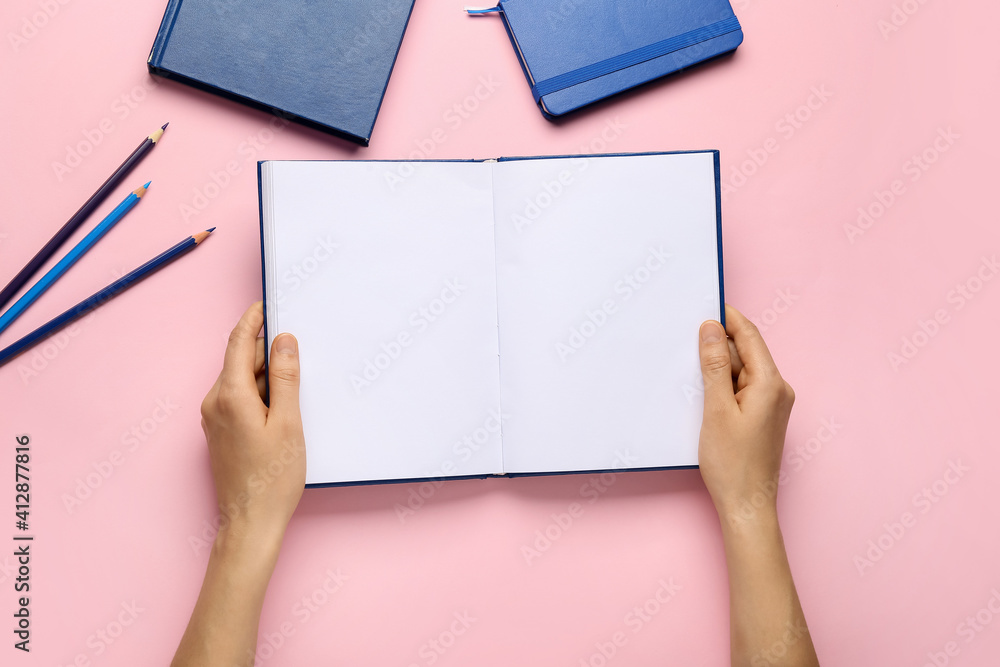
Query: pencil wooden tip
column 155, row 136
column 201, row 236
column 141, row 190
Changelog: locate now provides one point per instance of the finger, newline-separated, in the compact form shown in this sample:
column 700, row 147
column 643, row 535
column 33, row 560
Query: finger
column 734, row 358
column 258, row 364
column 741, row 382
column 258, row 369
column 716, row 366
column 749, row 345
column 238, row 367
column 284, row 378
column 262, row 384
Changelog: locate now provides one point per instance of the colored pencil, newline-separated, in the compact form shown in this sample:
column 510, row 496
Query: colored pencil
column 71, row 257
column 106, row 294
column 50, row 248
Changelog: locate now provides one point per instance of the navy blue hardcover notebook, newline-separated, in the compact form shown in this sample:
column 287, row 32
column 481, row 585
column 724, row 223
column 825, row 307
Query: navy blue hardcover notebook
column 512, row 316
column 323, row 64
column 575, row 52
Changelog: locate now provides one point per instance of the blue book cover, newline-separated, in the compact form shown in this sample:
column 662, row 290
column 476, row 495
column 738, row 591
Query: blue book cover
column 323, row 64
column 574, row 53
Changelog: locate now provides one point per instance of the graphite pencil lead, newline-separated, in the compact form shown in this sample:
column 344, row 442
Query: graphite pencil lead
column 155, row 136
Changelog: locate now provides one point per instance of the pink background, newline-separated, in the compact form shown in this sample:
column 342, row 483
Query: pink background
column 897, row 431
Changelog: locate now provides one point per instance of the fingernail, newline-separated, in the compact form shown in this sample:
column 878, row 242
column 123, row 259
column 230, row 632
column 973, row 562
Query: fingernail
column 711, row 332
column 286, row 344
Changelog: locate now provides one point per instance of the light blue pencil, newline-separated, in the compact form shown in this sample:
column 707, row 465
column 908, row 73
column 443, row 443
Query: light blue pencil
column 71, row 257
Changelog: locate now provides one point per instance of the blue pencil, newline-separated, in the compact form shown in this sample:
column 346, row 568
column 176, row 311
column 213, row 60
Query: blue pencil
column 104, row 295
column 71, row 257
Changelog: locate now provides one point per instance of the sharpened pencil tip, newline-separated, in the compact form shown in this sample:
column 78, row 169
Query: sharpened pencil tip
column 146, row 186
column 201, row 236
column 165, row 125
column 210, row 230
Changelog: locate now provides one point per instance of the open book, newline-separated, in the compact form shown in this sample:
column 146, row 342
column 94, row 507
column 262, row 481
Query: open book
column 511, row 316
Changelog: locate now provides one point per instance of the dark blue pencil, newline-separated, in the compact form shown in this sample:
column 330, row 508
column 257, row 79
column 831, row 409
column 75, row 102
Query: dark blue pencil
column 104, row 295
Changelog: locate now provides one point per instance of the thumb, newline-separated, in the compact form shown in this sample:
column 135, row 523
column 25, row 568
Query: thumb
column 716, row 365
column 284, row 376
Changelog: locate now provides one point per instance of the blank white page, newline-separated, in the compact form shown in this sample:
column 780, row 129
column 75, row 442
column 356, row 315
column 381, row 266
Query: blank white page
column 606, row 267
column 385, row 274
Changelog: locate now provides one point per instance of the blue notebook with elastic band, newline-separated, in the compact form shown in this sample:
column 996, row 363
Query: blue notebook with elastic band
column 576, row 52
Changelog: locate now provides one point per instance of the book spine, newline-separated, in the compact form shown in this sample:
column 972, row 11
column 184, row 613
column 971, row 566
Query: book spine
column 263, row 281
column 163, row 35
column 718, row 235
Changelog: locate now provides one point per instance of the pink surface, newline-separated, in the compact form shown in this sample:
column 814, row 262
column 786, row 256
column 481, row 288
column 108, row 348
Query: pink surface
column 833, row 305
